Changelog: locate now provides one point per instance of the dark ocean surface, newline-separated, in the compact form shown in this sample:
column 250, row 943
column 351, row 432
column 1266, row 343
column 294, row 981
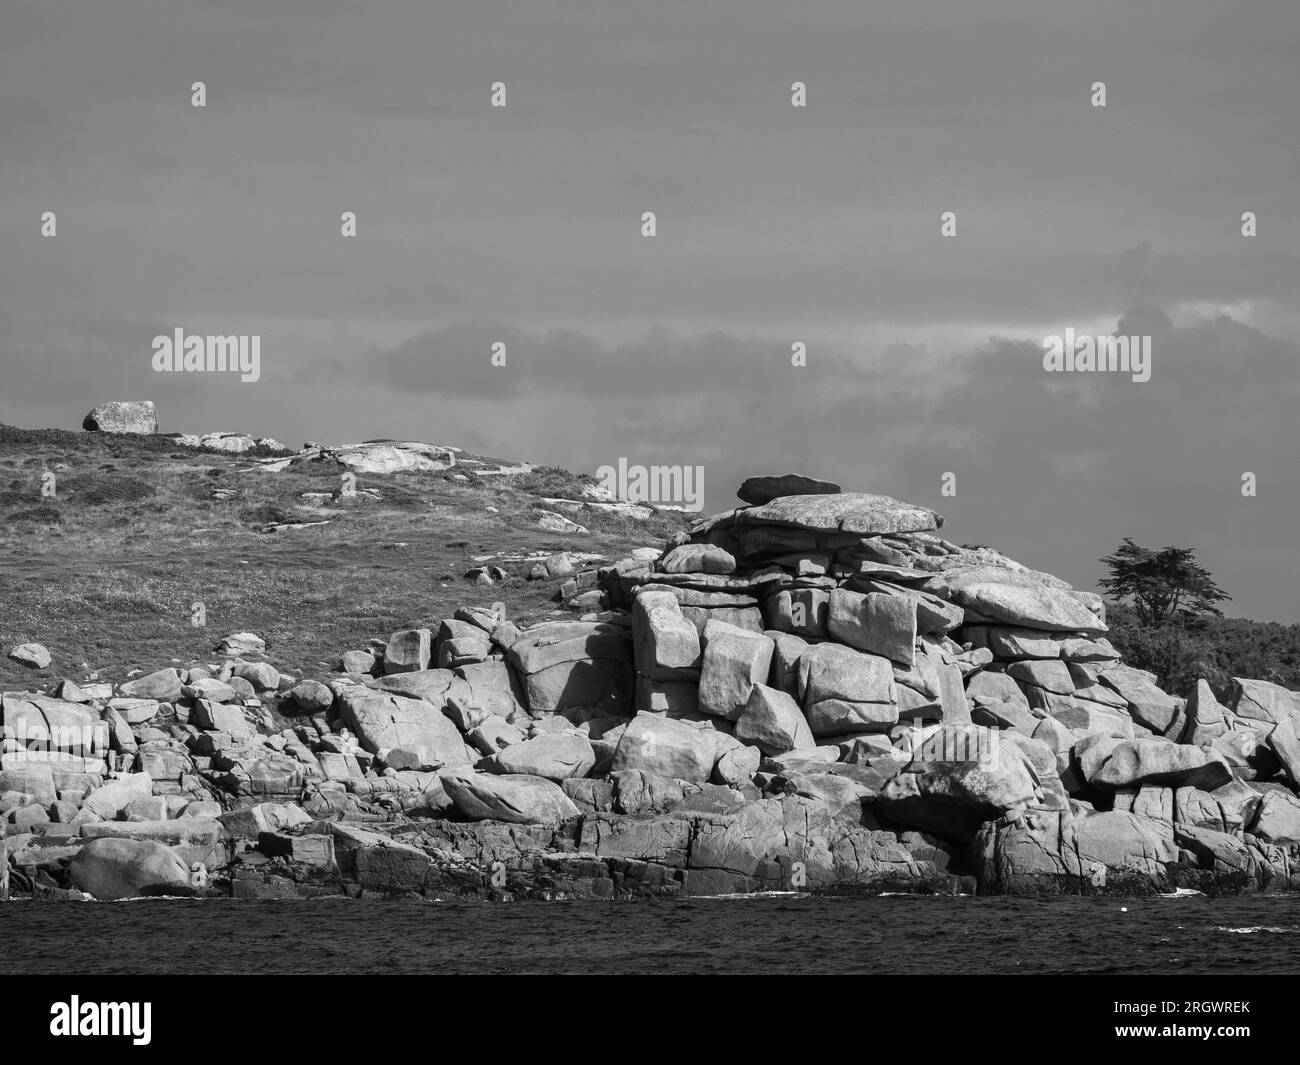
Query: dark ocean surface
column 780, row 934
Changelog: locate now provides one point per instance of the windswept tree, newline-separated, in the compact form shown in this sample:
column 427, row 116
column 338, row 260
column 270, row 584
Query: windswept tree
column 1164, row 585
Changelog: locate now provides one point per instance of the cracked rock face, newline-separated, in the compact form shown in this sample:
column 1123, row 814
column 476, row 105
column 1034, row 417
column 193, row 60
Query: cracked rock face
column 386, row 720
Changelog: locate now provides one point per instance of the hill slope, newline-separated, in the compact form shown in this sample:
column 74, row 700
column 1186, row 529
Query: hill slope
column 107, row 570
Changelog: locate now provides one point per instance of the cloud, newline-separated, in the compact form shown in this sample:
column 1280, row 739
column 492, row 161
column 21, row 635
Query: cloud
column 1053, row 468
column 455, row 360
column 775, row 225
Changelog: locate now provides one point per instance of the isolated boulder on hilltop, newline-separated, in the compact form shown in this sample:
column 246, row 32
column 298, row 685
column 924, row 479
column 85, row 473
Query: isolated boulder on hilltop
column 129, row 416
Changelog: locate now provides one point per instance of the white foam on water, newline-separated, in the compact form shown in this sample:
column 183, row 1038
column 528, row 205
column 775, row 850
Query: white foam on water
column 750, row 895
column 153, row 898
column 1257, row 928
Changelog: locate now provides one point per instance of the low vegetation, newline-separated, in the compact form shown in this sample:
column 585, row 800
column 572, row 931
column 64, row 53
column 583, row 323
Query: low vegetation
column 1165, row 618
column 105, row 562
column 1211, row 648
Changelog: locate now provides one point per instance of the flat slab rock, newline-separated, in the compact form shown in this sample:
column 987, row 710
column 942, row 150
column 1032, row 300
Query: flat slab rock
column 759, row 490
column 855, row 513
column 1017, row 599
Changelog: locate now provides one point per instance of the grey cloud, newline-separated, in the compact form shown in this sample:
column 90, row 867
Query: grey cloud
column 775, row 225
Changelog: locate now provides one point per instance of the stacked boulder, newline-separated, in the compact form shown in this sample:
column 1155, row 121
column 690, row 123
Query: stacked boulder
column 836, row 629
column 812, row 692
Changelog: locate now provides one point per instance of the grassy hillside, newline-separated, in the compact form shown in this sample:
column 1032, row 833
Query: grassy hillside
column 105, row 573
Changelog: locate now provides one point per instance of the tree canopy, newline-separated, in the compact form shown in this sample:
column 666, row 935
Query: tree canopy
column 1162, row 585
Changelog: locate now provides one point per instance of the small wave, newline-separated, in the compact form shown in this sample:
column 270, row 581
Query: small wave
column 153, row 898
column 749, row 895
column 923, row 895
column 1257, row 928
column 1184, row 893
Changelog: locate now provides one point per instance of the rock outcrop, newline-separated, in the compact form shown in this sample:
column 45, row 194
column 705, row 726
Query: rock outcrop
column 235, row 443
column 371, row 456
column 814, row 692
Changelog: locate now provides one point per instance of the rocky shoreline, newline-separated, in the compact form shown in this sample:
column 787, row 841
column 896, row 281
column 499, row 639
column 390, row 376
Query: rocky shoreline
column 814, row 692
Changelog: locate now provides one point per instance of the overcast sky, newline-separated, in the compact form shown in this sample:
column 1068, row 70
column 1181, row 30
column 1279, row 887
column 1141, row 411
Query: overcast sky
column 775, row 225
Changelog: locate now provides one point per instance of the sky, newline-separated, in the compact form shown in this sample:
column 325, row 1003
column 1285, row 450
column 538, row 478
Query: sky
column 774, row 225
